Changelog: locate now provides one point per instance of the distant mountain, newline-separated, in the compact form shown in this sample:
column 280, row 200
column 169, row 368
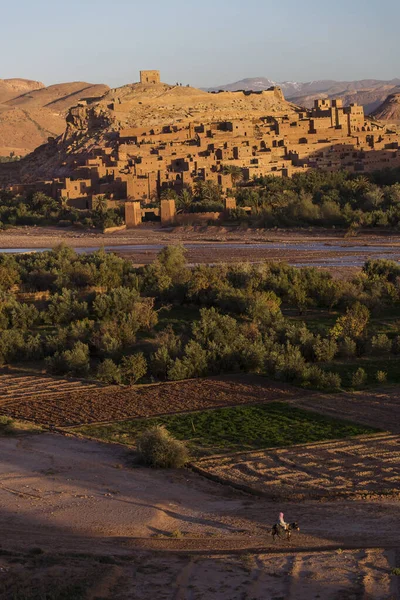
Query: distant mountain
column 31, row 112
column 368, row 92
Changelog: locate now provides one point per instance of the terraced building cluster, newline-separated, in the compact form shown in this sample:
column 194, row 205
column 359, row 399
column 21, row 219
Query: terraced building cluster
column 142, row 140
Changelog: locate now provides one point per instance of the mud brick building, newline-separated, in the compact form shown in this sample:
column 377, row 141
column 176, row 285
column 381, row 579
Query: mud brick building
column 143, row 162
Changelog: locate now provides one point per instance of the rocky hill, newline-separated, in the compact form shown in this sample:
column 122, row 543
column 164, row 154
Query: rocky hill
column 9, row 88
column 389, row 110
column 30, row 113
column 94, row 123
column 368, row 92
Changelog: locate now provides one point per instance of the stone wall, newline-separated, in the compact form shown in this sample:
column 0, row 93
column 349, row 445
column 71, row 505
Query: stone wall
column 150, row 77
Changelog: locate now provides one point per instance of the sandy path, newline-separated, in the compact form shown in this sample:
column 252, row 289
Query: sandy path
column 68, row 495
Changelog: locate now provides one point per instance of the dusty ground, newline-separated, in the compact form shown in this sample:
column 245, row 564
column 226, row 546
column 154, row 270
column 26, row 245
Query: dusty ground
column 77, row 513
column 357, row 574
column 94, row 404
column 67, row 498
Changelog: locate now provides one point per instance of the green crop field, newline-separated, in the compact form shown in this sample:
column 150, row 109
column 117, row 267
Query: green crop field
column 235, row 429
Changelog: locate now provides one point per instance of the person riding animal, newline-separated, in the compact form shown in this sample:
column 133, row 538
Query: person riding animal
column 282, row 527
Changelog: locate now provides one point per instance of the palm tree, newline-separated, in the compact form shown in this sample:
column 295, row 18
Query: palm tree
column 235, row 172
column 100, row 204
column 185, row 200
column 169, row 194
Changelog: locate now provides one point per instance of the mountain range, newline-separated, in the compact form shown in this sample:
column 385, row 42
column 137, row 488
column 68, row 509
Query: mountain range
column 368, row 92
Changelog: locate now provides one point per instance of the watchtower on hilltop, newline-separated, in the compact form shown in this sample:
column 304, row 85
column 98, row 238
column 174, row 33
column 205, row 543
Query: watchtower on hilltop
column 150, row 77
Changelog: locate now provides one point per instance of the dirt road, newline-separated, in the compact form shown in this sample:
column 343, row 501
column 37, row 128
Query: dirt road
column 66, row 495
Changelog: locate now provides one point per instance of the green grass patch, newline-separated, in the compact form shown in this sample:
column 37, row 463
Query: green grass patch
column 10, row 427
column 235, row 429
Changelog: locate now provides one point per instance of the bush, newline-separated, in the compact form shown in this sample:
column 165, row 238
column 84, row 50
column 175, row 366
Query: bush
column 133, row 368
column 381, row 376
column 109, row 372
column 320, row 379
column 381, row 344
column 348, row 348
column 325, row 349
column 359, row 378
column 74, row 362
column 158, row 448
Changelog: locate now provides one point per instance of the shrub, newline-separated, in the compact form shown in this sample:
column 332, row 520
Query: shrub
column 74, row 362
column 381, row 344
column 158, row 448
column 348, row 348
column 325, row 349
column 109, row 372
column 133, row 368
column 359, row 378
column 353, row 323
column 381, row 376
column 331, row 381
column 320, row 379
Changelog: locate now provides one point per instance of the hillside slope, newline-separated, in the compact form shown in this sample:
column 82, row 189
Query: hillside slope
column 389, row 110
column 31, row 112
column 9, row 88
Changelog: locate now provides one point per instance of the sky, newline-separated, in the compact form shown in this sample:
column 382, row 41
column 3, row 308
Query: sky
column 203, row 43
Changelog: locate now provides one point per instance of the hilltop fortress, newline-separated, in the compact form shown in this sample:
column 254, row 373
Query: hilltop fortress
column 141, row 140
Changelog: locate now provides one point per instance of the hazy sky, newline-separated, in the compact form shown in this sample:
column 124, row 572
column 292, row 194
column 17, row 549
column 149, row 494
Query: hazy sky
column 201, row 42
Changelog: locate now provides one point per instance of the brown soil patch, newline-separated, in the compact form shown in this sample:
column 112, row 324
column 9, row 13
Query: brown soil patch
column 104, row 404
column 377, row 408
column 360, row 467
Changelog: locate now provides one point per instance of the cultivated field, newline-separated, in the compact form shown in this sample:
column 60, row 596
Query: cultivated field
column 21, row 387
column 360, row 467
column 78, row 403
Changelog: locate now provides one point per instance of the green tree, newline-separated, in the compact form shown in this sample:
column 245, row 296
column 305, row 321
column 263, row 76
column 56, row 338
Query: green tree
column 133, row 368
column 353, row 324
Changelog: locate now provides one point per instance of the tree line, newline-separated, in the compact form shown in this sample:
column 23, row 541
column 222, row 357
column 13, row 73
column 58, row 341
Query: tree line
column 97, row 314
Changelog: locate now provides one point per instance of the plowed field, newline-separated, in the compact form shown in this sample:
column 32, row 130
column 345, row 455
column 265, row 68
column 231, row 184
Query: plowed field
column 365, row 466
column 18, row 387
column 104, row 404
